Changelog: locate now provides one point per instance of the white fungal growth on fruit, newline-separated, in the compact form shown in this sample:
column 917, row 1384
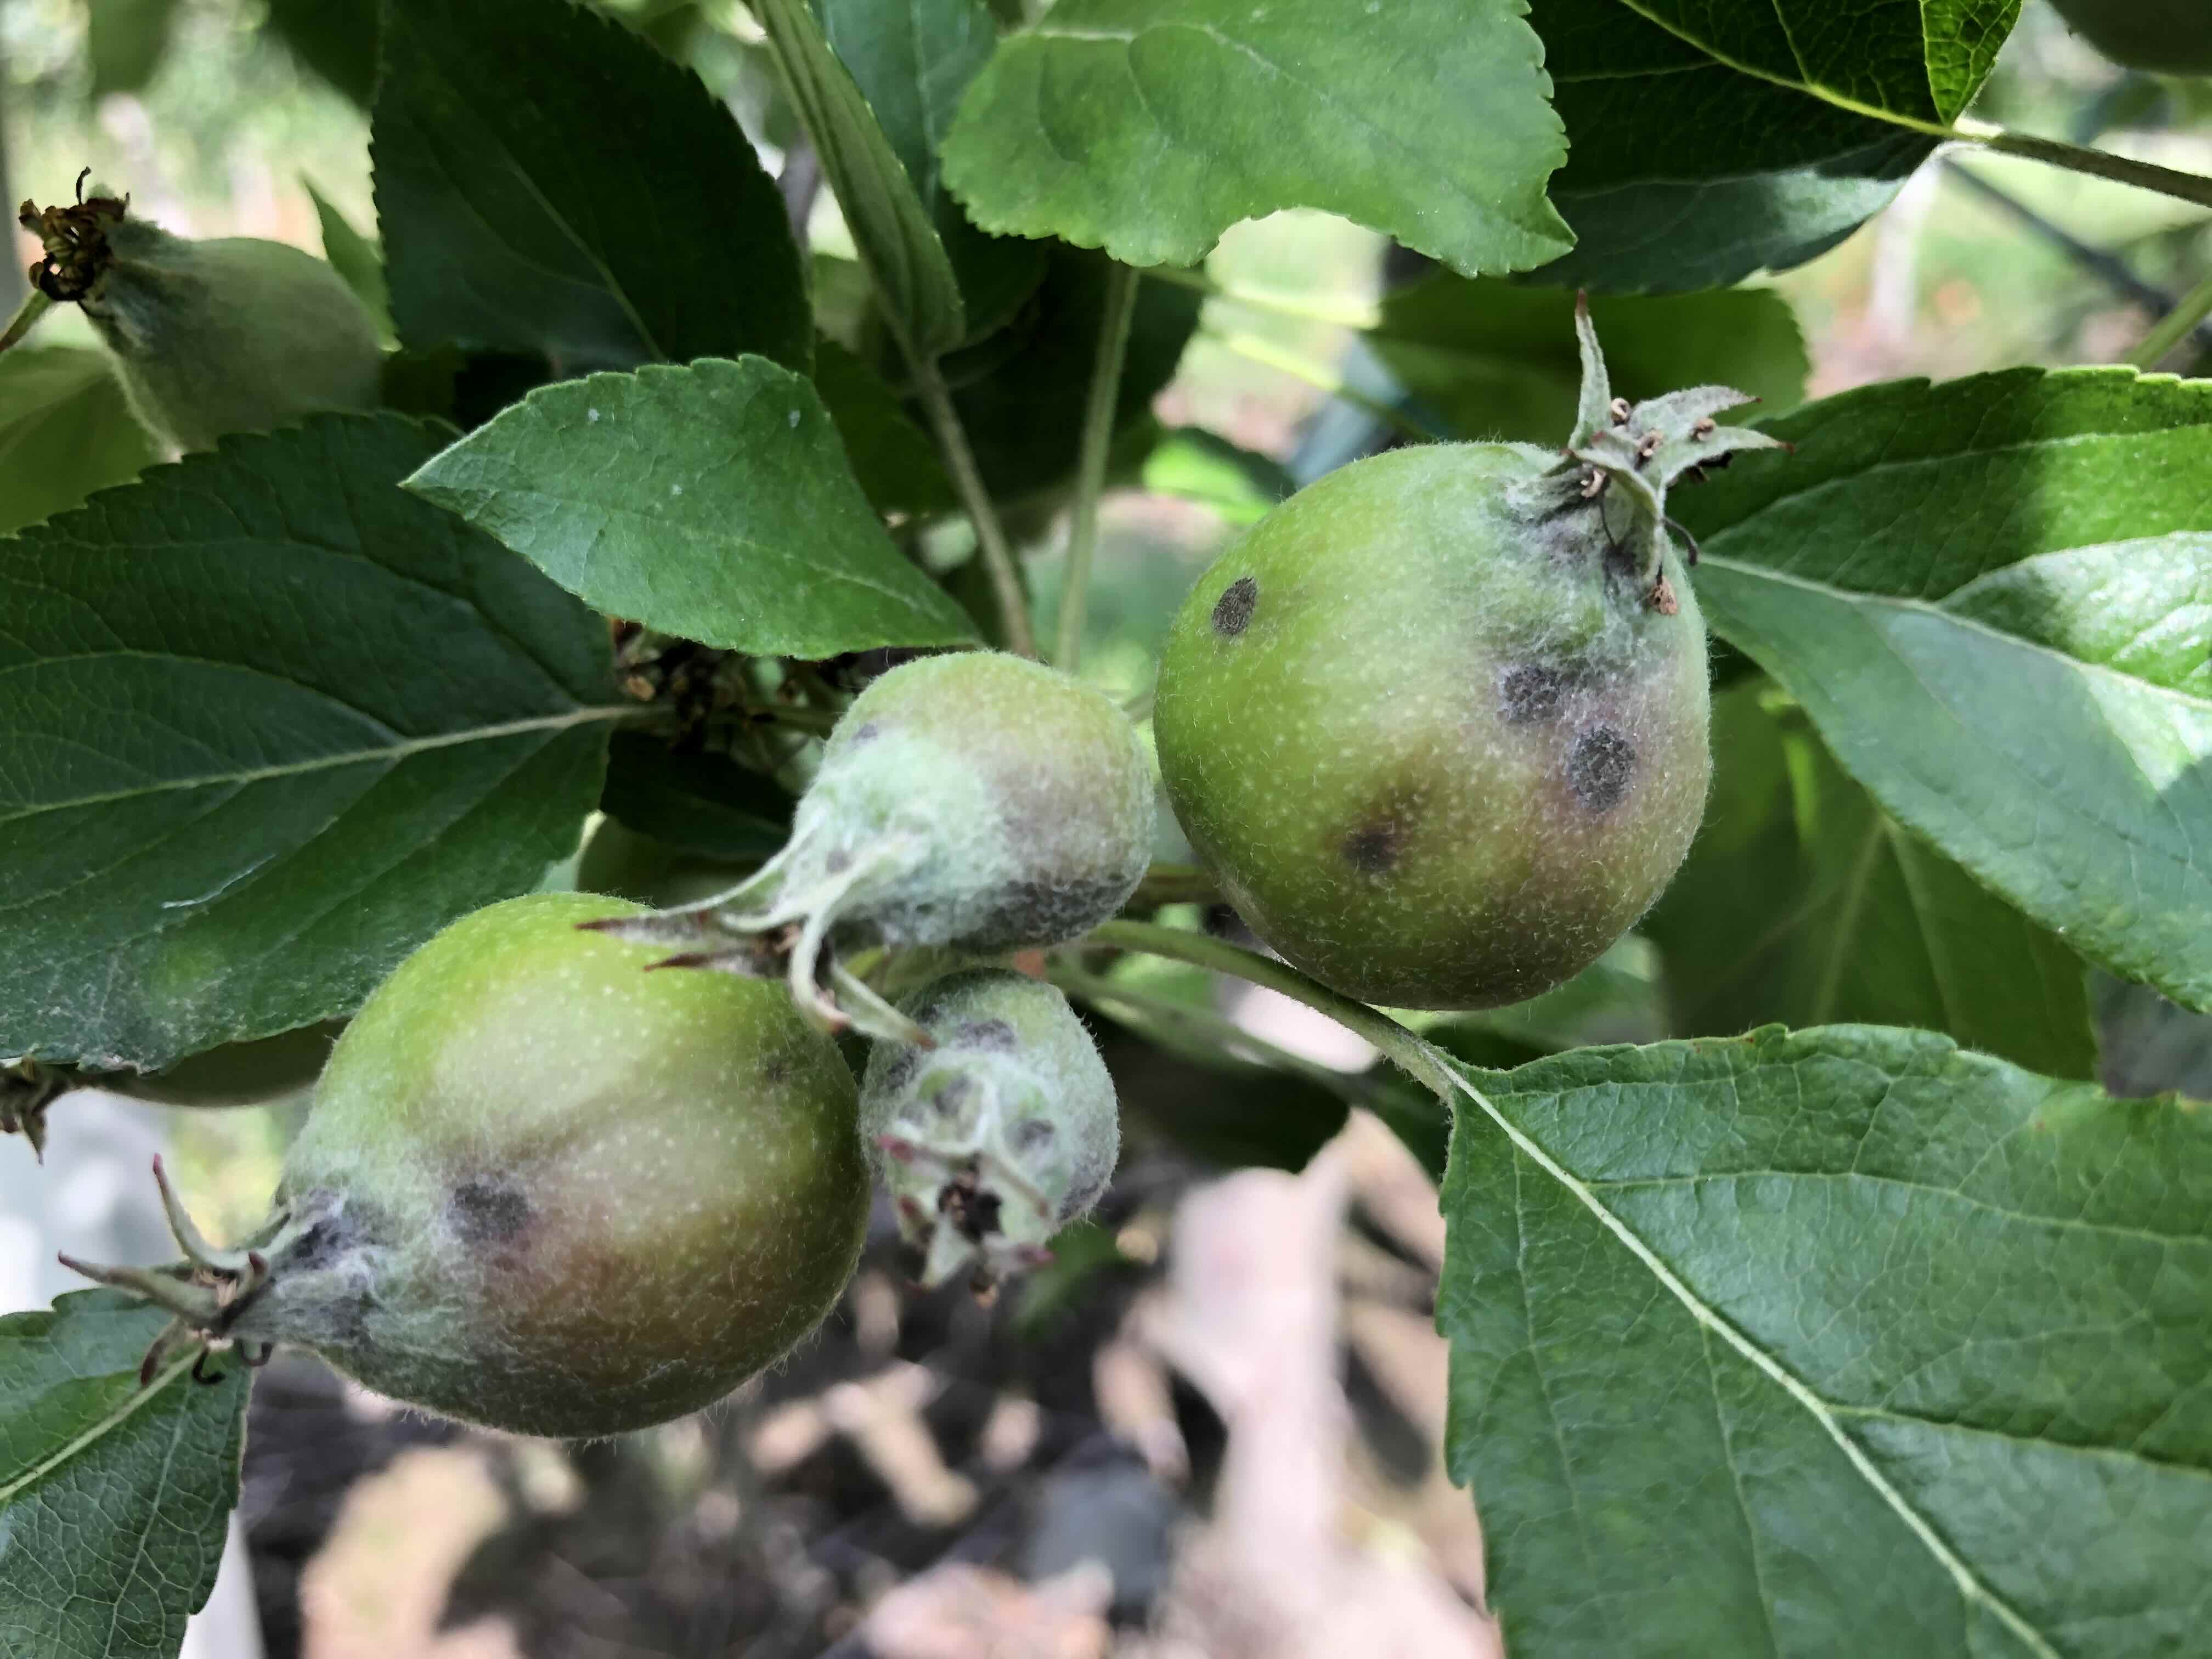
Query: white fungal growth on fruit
column 996, row 1135
column 980, row 802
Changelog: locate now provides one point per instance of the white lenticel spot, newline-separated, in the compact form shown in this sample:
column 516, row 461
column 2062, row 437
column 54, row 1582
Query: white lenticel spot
column 675, row 489
column 591, row 414
column 794, row 417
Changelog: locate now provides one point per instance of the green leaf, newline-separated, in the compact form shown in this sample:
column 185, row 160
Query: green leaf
column 703, row 805
column 1708, row 141
column 1495, row 361
column 335, row 39
column 549, row 182
column 1020, row 394
column 893, row 231
column 912, row 59
column 1148, row 127
column 1665, row 235
column 1842, row 1342
column 64, row 432
column 267, row 723
column 126, row 40
column 114, row 1499
column 711, row 502
column 1985, row 594
column 1198, row 465
column 1802, row 902
column 892, row 456
column 356, row 259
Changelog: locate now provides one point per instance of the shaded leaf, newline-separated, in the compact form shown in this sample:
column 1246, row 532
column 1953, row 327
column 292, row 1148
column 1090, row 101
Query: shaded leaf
column 894, row 232
column 126, row 40
column 912, row 59
column 892, row 457
column 1020, row 394
column 335, row 39
column 1664, row 235
column 711, row 502
column 1185, row 1077
column 1148, row 127
column 1229, row 1112
column 114, row 1500
column 64, row 432
column 1802, row 902
column 549, row 183
column 267, row 723
column 701, row 804
column 1834, row 1343
column 356, row 259
column 1708, row 141
column 1496, row 361
column 1991, row 598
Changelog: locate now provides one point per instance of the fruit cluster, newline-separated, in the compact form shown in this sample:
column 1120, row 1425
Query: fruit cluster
column 1437, row 726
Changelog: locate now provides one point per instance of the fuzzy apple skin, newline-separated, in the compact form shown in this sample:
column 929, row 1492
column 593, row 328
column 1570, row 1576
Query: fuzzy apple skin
column 1436, row 760
column 999, row 1135
column 2167, row 37
column 235, row 334
column 1023, row 800
column 545, row 1190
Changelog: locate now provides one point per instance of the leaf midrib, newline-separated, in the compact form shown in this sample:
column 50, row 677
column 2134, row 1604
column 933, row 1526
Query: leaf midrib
column 107, row 1423
column 392, row 754
column 1952, row 1194
column 1812, row 89
column 696, row 534
column 1865, row 596
column 1970, row 1587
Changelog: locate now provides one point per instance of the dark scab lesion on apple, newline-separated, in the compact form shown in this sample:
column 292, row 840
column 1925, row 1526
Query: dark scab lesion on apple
column 994, row 1036
column 900, row 1070
column 337, row 1228
column 1530, row 691
column 488, row 1209
column 1601, row 768
column 1232, row 611
column 948, row 1101
column 1372, row 849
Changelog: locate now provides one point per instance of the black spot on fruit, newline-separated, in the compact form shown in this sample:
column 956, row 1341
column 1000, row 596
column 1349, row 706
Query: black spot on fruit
column 900, row 1070
column 995, row 1035
column 1031, row 1133
column 953, row 1095
column 1373, row 848
column 1601, row 768
column 974, row 1208
column 865, row 732
column 336, row 1230
column 1232, row 611
column 486, row 1210
column 1530, row 691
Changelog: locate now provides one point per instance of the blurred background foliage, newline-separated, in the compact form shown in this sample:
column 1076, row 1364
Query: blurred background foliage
column 1313, row 343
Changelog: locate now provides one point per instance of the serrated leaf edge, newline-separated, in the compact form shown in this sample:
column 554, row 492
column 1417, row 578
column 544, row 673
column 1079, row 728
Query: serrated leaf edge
column 2135, row 685
column 1970, row 1587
